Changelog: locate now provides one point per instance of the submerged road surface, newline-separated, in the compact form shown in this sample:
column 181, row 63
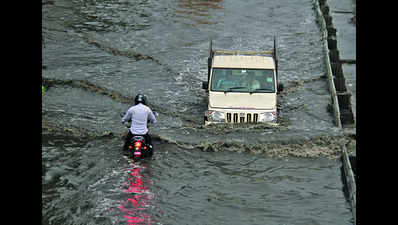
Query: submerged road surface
column 97, row 55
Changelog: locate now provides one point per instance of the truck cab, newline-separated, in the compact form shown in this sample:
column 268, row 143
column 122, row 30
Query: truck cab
column 242, row 87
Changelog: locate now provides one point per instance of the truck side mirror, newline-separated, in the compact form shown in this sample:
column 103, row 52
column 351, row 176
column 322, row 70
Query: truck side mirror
column 205, row 85
column 280, row 87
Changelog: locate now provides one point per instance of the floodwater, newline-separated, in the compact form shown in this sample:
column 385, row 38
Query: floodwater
column 97, row 55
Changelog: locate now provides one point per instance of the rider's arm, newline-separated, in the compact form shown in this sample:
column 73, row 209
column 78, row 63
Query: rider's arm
column 151, row 117
column 127, row 116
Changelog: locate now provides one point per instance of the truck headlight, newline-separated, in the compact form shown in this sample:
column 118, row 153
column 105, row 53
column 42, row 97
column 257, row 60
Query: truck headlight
column 267, row 117
column 215, row 116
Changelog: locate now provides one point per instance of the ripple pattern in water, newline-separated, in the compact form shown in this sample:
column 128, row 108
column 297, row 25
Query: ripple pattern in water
column 98, row 54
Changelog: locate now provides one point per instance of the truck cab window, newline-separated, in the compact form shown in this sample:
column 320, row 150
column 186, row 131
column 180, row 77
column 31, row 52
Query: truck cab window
column 243, row 80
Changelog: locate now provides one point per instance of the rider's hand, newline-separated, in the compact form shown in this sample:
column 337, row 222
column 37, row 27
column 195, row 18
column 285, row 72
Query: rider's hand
column 126, row 124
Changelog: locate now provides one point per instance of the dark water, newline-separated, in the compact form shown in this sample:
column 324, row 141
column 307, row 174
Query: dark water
column 97, row 55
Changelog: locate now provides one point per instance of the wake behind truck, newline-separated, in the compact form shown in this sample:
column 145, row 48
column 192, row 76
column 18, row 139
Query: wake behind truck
column 242, row 86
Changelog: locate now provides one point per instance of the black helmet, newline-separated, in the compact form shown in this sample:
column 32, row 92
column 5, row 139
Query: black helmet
column 140, row 99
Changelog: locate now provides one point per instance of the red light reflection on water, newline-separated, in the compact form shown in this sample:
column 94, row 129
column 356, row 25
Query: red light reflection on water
column 134, row 207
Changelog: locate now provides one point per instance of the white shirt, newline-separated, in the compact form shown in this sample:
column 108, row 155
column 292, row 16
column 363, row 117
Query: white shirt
column 139, row 115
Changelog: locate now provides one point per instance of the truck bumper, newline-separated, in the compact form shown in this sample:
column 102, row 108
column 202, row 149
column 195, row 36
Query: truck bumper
column 240, row 117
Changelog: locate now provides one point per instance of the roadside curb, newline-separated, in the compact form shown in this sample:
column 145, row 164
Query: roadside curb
column 349, row 181
column 340, row 96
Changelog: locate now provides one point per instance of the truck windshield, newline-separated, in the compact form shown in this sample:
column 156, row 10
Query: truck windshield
column 243, row 80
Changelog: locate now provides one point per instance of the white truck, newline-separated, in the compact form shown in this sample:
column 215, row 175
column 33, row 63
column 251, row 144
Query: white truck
column 242, row 86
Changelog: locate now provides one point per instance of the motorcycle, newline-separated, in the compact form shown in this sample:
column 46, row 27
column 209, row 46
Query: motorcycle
column 137, row 146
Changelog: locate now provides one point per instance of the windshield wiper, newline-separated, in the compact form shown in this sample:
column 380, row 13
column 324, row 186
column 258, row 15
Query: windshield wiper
column 260, row 89
column 238, row 87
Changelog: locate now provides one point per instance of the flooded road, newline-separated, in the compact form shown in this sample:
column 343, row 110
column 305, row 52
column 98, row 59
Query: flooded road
column 97, row 55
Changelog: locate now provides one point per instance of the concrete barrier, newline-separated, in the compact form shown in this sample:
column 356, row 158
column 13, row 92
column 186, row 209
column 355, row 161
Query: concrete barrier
column 350, row 182
column 322, row 23
column 341, row 101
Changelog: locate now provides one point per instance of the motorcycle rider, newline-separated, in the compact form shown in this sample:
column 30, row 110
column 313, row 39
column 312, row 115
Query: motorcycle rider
column 139, row 114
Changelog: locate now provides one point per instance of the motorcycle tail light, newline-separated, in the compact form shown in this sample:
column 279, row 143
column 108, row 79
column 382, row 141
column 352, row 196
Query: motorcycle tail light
column 137, row 145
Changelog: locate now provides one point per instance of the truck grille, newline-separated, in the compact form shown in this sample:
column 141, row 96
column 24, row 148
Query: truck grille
column 242, row 117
